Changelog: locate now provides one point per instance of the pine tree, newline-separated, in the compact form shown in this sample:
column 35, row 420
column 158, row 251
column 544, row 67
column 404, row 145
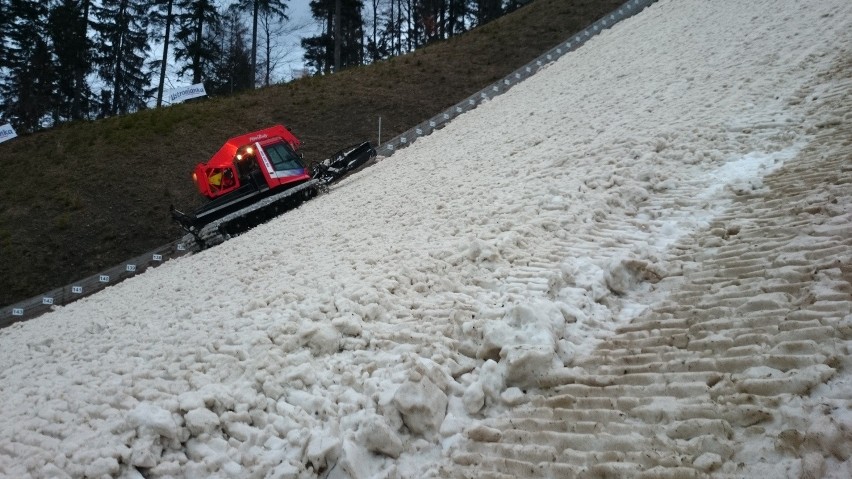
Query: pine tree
column 122, row 41
column 319, row 50
column 193, row 46
column 27, row 91
column 231, row 70
column 4, row 53
column 68, row 27
column 487, row 10
column 512, row 5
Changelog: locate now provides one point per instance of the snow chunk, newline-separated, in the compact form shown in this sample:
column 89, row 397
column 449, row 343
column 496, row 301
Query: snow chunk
column 377, row 436
column 473, row 398
column 483, row 433
column 348, row 324
column 322, row 339
column 422, row 405
column 201, row 420
column 103, row 467
column 527, row 365
column 513, row 396
column 625, row 274
column 154, row 419
column 323, row 450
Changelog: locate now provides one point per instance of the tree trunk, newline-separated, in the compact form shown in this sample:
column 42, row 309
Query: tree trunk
column 409, row 14
column 375, row 26
column 267, row 29
column 80, row 73
column 196, row 55
column 254, row 46
column 338, row 41
column 165, row 55
column 117, row 56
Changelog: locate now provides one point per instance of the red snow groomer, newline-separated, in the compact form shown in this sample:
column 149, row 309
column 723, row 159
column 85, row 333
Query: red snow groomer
column 257, row 176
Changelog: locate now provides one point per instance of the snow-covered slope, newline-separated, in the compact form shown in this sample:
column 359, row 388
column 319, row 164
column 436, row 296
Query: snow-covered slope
column 396, row 326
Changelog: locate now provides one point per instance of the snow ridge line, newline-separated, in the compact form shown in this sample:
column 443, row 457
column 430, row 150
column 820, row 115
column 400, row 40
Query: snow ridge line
column 43, row 303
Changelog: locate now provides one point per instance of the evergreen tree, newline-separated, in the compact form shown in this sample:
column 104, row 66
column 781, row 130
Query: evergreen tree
column 486, row 10
column 512, row 5
column 194, row 47
column 122, row 41
column 4, row 40
column 319, row 50
column 27, row 91
column 456, row 12
column 68, row 27
column 231, row 70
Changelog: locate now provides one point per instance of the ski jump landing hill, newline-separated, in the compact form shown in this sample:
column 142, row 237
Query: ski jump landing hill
column 636, row 263
column 85, row 286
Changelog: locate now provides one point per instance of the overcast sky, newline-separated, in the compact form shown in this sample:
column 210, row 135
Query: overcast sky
column 299, row 13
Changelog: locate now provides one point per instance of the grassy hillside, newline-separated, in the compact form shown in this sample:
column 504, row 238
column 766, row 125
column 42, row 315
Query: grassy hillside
column 86, row 196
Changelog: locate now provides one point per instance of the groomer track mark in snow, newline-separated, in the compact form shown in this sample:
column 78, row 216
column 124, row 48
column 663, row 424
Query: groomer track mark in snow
column 742, row 371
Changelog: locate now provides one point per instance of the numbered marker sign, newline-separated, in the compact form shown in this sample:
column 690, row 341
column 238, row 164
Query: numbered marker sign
column 103, row 278
column 46, row 300
column 181, row 247
column 131, row 268
column 432, row 124
column 158, row 257
column 419, row 131
column 18, row 312
column 77, row 289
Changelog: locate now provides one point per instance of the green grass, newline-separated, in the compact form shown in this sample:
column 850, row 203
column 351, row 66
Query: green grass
column 86, row 196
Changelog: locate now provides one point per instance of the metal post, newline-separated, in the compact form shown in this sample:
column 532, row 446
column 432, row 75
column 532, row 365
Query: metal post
column 380, row 132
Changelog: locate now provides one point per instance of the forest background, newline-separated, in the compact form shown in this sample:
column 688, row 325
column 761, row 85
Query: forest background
column 66, row 60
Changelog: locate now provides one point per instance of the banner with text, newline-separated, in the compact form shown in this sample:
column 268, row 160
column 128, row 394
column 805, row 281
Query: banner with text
column 186, row 93
column 7, row 132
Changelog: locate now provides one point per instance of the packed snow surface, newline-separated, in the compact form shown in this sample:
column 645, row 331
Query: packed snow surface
column 365, row 333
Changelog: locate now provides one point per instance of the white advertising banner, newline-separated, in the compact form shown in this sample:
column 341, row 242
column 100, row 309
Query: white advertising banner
column 7, row 132
column 186, row 93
